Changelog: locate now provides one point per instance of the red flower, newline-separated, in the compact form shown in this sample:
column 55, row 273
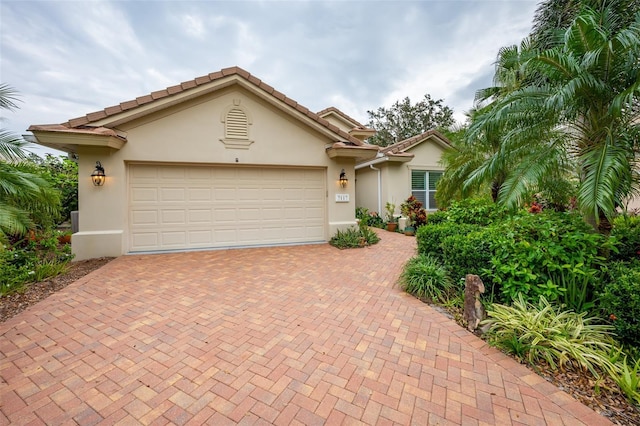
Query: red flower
column 612, row 317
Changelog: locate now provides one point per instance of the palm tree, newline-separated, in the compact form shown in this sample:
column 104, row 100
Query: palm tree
column 581, row 107
column 25, row 199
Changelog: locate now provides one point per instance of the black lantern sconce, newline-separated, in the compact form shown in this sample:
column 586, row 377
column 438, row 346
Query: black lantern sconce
column 343, row 179
column 98, row 177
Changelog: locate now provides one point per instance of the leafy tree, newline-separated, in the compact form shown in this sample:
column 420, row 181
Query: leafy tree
column 62, row 174
column 26, row 199
column 581, row 108
column 553, row 17
column 404, row 120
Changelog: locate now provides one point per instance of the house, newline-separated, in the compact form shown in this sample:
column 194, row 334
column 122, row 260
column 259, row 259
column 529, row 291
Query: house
column 408, row 167
column 223, row 160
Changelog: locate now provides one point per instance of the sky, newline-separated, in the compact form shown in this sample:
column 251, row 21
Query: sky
column 70, row 58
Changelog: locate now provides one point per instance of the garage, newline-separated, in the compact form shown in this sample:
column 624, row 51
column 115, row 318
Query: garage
column 181, row 207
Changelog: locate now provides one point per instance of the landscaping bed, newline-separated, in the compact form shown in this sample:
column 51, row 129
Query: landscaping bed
column 14, row 303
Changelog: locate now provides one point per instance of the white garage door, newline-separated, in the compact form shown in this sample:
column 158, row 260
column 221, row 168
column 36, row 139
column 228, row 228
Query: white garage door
column 189, row 207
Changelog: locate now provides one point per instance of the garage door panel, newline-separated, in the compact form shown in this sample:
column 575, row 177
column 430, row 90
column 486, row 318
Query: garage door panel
column 199, row 194
column 182, row 207
column 172, row 194
column 174, row 217
column 173, row 239
column 200, row 216
column 142, row 194
column 145, row 217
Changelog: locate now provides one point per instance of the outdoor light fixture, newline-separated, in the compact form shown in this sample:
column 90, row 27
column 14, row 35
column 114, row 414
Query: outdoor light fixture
column 98, row 175
column 343, row 179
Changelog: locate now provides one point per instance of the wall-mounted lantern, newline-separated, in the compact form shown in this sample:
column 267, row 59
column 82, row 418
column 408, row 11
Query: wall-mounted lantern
column 98, row 177
column 343, row 179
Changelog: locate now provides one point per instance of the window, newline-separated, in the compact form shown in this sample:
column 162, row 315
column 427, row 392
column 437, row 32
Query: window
column 423, row 187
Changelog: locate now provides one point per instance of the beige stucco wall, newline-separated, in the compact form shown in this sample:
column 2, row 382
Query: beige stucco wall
column 367, row 189
column 190, row 133
column 396, row 177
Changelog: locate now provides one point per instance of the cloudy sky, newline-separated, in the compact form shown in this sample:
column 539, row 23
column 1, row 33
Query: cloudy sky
column 69, row 58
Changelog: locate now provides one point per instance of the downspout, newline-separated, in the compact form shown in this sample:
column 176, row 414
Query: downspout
column 379, row 188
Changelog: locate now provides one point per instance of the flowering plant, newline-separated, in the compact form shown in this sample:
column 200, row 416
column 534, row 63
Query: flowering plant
column 413, row 211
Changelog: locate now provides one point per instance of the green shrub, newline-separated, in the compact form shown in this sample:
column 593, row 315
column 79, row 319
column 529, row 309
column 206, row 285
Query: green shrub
column 469, row 253
column 540, row 331
column 626, row 231
column 424, row 277
column 369, row 218
column 439, row 216
column 534, row 253
column 32, row 260
column 476, row 211
column 430, row 237
column 619, row 299
column 354, row 238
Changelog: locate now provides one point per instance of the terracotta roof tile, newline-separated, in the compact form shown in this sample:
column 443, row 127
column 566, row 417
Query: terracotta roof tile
column 190, row 84
column 202, row 80
column 128, row 105
column 254, row 80
column 264, row 86
column 113, row 110
column 172, row 90
column 229, row 71
column 399, row 147
column 345, row 116
column 242, row 73
column 96, row 115
column 159, row 94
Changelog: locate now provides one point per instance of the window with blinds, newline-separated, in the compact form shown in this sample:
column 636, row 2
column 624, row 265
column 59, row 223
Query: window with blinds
column 423, row 187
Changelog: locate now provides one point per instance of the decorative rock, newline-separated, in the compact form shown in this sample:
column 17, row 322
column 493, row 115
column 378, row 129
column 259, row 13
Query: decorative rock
column 473, row 310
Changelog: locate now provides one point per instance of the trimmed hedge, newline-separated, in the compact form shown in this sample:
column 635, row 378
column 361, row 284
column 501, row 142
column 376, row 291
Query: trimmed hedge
column 620, row 300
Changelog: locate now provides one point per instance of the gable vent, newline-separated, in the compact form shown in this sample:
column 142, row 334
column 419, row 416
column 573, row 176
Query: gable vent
column 236, row 119
column 237, row 124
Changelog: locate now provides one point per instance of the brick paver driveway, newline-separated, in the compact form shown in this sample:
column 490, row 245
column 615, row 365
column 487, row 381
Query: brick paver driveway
column 288, row 335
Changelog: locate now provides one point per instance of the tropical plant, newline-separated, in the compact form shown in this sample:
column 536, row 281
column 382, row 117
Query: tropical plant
column 543, row 332
column 619, row 300
column 414, row 212
column 25, row 199
column 391, row 209
column 354, row 237
column 404, row 120
column 578, row 109
column 627, row 376
column 424, row 277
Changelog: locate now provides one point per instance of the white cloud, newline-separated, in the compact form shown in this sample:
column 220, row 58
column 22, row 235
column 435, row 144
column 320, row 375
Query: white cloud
column 71, row 58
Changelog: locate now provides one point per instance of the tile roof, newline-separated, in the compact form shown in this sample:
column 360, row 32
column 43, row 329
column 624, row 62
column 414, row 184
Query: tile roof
column 335, row 110
column 86, row 120
column 399, row 147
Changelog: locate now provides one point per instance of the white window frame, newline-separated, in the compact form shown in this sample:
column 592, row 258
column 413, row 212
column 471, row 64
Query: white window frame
column 426, row 192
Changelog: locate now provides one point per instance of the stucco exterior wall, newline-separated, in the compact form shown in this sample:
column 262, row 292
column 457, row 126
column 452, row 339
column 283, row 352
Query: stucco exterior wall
column 191, row 133
column 367, row 190
column 396, row 177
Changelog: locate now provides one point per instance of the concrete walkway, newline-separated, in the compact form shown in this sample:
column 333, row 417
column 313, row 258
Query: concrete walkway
column 289, row 335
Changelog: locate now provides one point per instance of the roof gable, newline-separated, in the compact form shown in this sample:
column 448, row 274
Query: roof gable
column 405, row 145
column 113, row 116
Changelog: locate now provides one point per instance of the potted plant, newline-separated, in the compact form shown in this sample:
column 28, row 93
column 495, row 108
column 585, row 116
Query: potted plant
column 415, row 214
column 392, row 224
